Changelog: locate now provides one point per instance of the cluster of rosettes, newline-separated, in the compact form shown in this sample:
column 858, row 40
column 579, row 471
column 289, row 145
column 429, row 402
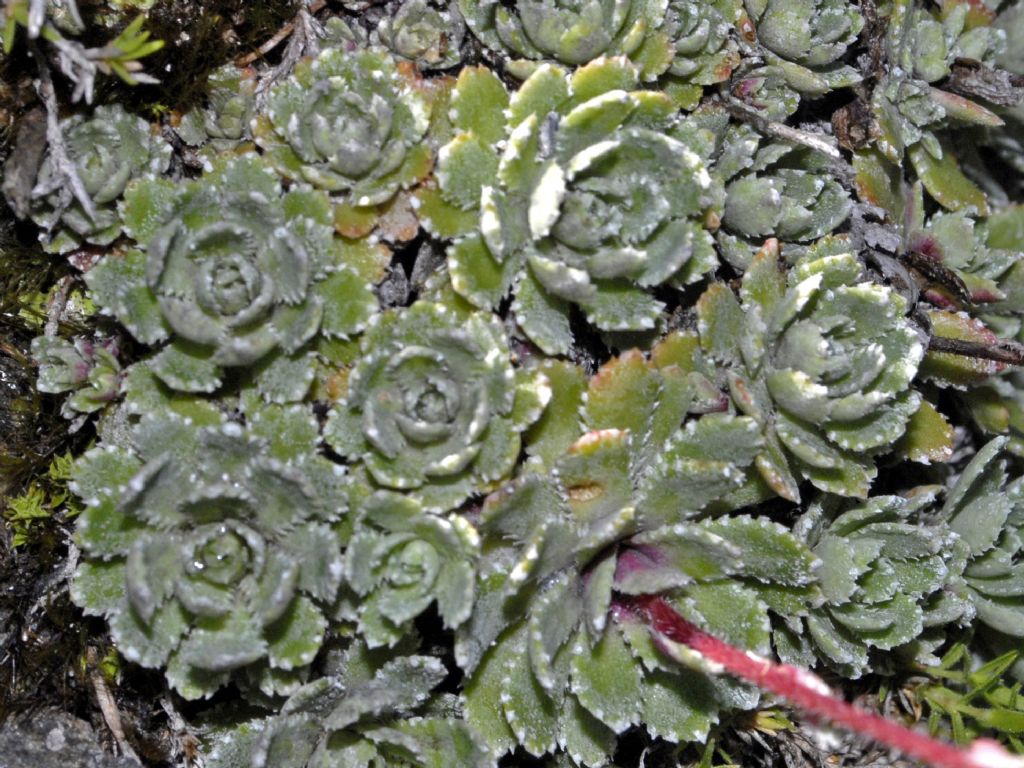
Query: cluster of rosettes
column 502, row 353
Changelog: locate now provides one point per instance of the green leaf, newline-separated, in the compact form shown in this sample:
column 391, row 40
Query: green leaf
column 928, row 438
column 475, row 273
column 442, row 219
column 607, row 680
column 98, row 587
column 478, row 104
column 544, row 318
column 720, row 322
column 118, row 284
column 187, row 367
column 294, row 639
column 349, row 303
column 946, row 183
column 483, row 693
column 283, row 378
column 464, row 166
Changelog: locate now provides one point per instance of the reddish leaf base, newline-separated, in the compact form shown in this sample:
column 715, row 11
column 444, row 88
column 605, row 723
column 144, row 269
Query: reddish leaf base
column 809, row 692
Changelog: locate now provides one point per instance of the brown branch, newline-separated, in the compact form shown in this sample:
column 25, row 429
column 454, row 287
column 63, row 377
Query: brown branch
column 819, row 142
column 108, row 707
column 1009, row 352
column 281, row 35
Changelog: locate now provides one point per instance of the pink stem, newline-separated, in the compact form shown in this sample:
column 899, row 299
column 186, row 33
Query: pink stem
column 809, row 692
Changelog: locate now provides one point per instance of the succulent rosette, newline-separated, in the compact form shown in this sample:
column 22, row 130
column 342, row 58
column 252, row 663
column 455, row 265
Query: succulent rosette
column 225, row 120
column 376, row 709
column 400, row 560
column 573, row 32
column 552, row 658
column 236, row 272
column 911, row 114
column 984, row 257
column 427, row 33
column 774, row 189
column 925, row 44
column 591, row 202
column 208, row 546
column 89, row 370
column 985, row 509
column 883, row 577
column 700, row 35
column 806, row 38
column 108, row 149
column 349, row 123
column 822, row 360
column 434, row 406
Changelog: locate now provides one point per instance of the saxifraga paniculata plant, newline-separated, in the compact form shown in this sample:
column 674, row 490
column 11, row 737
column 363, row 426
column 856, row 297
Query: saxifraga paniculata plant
column 594, row 199
column 209, row 547
column 234, row 271
column 641, row 403
column 350, row 123
column 108, row 150
column 823, row 359
column 434, row 406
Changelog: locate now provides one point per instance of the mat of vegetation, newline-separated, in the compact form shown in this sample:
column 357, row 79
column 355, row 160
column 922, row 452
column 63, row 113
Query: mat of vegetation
column 522, row 383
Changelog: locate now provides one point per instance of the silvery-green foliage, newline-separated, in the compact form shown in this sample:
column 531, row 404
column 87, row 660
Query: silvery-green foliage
column 400, row 560
column 822, row 359
column 434, row 406
column 908, row 114
column 425, row 32
column 809, row 32
column 924, row 44
column 584, row 192
column 767, row 89
column 207, row 545
column 700, row 35
column 225, row 120
column 350, row 123
column 235, row 272
column 806, row 38
column 986, row 511
column 108, row 148
column 616, row 514
column 373, row 711
column 88, row 370
column 991, row 276
column 774, row 189
column 884, row 578
column 574, row 32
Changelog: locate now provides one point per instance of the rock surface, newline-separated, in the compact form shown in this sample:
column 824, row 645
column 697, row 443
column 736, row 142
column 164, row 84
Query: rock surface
column 51, row 739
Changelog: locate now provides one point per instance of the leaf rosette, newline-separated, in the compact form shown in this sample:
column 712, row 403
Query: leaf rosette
column 374, row 710
column 823, row 361
column 434, row 406
column 225, row 121
column 349, row 123
column 883, row 578
column 550, row 660
column 773, row 189
column 89, row 370
column 591, row 202
column 235, row 272
column 108, row 149
column 427, row 35
column 400, row 560
column 209, row 549
column 704, row 53
column 806, row 39
column 986, row 512
column 573, row 32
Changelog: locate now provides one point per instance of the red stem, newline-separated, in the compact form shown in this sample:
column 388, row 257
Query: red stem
column 809, row 692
